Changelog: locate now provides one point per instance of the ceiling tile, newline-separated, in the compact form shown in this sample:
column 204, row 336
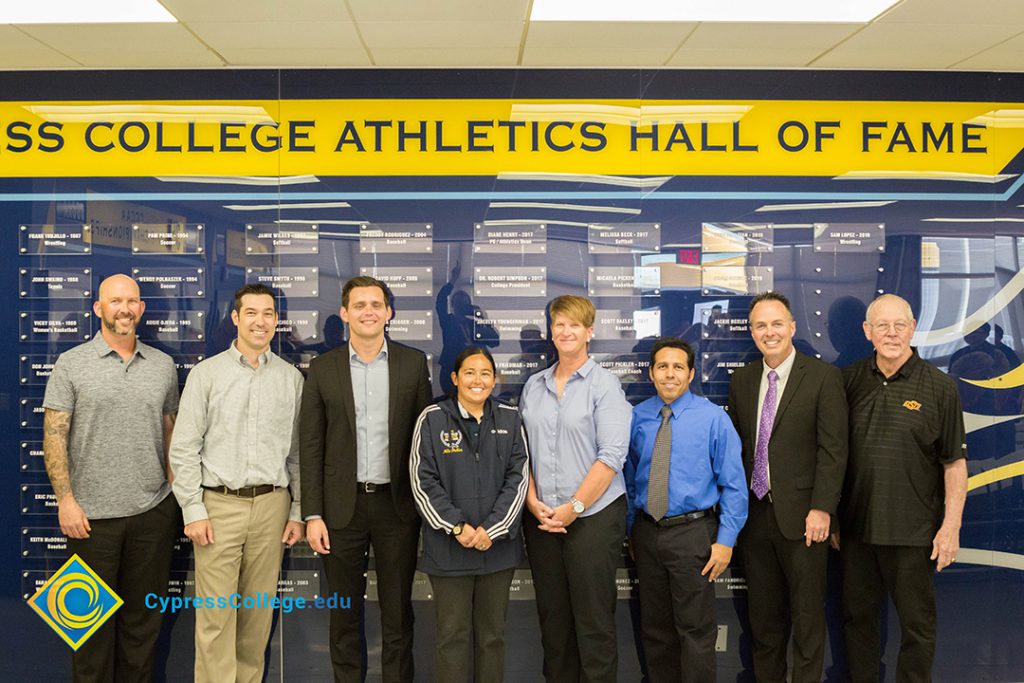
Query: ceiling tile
column 600, row 34
column 73, row 38
column 257, row 10
column 222, row 35
column 992, row 62
column 439, row 10
column 296, row 57
column 903, row 46
column 893, row 58
column 783, row 35
column 950, row 36
column 43, row 58
column 19, row 50
column 1006, row 56
column 1003, row 12
column 441, row 34
column 915, row 34
column 744, row 57
column 118, row 58
column 456, row 56
column 595, row 56
column 12, row 38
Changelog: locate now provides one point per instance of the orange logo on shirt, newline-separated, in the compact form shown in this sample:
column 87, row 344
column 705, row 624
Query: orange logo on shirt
column 912, row 405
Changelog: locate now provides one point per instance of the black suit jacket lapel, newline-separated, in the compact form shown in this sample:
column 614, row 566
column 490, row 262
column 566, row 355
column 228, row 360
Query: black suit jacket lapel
column 796, row 375
column 344, row 370
column 754, row 387
column 394, row 382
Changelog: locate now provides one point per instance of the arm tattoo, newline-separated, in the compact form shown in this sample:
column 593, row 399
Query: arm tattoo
column 56, row 427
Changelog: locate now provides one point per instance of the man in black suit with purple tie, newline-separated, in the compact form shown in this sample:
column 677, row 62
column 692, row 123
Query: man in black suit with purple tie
column 790, row 411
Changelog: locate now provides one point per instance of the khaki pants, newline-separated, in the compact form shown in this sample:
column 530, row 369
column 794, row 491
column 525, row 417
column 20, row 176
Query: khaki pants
column 244, row 558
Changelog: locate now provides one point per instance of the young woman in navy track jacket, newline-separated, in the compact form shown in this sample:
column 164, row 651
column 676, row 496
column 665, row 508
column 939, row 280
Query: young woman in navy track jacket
column 469, row 472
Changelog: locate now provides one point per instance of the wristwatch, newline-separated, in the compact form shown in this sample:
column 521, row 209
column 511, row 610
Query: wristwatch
column 577, row 505
column 457, row 529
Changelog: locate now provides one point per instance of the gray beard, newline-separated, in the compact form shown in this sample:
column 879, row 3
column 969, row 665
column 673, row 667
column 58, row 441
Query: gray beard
column 111, row 326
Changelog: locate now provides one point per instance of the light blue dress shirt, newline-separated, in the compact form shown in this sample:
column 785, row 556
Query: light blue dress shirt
column 705, row 469
column 590, row 423
column 371, row 391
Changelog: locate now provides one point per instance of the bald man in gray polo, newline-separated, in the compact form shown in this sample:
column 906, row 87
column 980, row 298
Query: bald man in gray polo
column 109, row 410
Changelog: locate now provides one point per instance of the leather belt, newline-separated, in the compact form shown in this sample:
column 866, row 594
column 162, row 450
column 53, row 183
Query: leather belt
column 370, row 487
column 676, row 520
column 247, row 492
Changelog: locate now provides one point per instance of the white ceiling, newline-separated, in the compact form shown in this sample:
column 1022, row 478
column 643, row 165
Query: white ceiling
column 986, row 35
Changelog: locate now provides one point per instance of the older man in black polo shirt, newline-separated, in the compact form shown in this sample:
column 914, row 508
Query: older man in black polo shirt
column 904, row 493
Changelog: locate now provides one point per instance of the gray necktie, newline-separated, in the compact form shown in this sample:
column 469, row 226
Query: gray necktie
column 657, row 483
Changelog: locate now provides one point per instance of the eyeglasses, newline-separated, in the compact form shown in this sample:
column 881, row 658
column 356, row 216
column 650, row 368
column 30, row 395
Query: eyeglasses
column 884, row 328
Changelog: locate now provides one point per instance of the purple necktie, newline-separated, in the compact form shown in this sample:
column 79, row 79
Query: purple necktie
column 759, row 482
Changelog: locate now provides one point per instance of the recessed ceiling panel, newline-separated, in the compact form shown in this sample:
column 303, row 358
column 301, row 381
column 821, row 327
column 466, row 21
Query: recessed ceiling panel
column 585, row 34
column 441, row 34
column 438, row 10
column 454, row 56
column 596, row 56
column 222, row 35
column 257, row 10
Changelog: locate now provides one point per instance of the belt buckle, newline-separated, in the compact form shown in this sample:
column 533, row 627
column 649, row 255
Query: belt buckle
column 369, row 487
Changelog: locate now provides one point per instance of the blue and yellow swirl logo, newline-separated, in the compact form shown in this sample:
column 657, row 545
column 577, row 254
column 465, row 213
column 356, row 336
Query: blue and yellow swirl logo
column 75, row 602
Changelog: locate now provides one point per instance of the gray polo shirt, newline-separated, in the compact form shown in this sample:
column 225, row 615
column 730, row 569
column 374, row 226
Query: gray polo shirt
column 237, row 427
column 115, row 448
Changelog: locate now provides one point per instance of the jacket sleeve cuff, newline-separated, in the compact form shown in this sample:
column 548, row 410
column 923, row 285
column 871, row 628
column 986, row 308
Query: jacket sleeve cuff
column 827, row 506
column 456, row 514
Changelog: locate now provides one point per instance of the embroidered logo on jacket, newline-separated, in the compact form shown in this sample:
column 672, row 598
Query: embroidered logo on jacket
column 912, row 405
column 452, row 441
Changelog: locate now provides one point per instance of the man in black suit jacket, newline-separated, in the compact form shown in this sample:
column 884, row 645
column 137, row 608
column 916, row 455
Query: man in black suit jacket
column 790, row 411
column 359, row 406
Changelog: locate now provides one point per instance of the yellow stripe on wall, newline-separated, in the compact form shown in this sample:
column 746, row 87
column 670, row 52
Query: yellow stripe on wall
column 487, row 137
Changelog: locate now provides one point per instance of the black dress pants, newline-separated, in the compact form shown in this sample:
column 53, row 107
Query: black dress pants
column 574, row 581
column 394, row 548
column 133, row 556
column 677, row 604
column 785, row 585
column 906, row 574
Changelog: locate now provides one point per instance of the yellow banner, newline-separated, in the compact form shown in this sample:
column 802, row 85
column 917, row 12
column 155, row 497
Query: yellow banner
column 492, row 137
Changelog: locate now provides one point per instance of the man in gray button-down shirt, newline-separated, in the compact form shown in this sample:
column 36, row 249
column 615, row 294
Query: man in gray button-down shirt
column 234, row 455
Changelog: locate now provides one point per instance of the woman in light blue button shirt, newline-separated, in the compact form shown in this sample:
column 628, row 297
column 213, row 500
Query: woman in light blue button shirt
column 577, row 422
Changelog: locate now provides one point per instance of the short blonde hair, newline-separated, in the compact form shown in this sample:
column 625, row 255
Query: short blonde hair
column 577, row 308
